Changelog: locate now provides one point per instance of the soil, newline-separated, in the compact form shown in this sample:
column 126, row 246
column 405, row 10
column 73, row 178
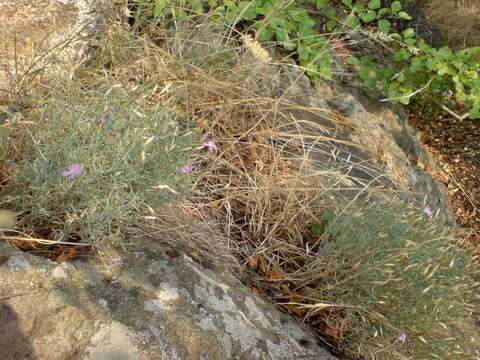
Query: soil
column 455, row 146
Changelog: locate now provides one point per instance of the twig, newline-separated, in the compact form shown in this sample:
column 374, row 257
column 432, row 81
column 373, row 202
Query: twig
column 410, row 95
column 43, row 241
column 454, row 114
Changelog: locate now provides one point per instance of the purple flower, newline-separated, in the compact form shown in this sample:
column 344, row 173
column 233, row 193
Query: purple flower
column 102, row 119
column 428, row 211
column 73, row 171
column 402, row 338
column 186, row 169
column 210, row 145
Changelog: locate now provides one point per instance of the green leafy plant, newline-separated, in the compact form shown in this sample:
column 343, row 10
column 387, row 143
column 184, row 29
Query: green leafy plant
column 438, row 73
column 286, row 22
column 443, row 75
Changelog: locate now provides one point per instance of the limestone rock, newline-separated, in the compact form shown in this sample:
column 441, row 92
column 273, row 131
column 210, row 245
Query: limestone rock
column 40, row 34
column 371, row 143
column 139, row 305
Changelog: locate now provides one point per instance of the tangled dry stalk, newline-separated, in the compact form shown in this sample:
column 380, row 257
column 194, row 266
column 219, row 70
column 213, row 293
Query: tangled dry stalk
column 274, row 196
column 291, row 204
column 446, row 15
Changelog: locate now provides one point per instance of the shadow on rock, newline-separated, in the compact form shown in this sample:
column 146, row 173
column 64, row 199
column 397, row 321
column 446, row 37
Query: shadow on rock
column 14, row 345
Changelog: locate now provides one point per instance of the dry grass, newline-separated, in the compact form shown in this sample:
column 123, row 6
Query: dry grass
column 293, row 202
column 289, row 200
column 456, row 19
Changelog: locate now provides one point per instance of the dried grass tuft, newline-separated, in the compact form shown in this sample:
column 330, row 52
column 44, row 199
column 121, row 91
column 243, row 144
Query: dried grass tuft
column 456, row 19
column 297, row 206
column 316, row 227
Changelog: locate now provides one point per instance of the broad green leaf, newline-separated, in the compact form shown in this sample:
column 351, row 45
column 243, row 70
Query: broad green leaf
column 370, row 84
column 416, row 65
column 423, row 46
column 384, row 26
column 330, row 13
column 325, row 66
column 370, row 16
column 397, row 36
column 402, row 54
column 359, row 8
column 443, row 69
column 352, row 60
column 231, row 16
column 262, row 10
column 197, row 6
column 383, row 11
column 347, row 2
column 319, row 4
column 432, row 64
column 411, row 42
column 374, row 4
column 330, row 25
column 409, row 33
column 247, row 10
column 298, row 15
column 404, row 15
column 352, row 21
column 309, row 67
column 303, row 53
column 282, row 37
column 364, row 72
column 475, row 112
column 396, row 6
column 446, row 53
column 266, row 35
column 306, row 32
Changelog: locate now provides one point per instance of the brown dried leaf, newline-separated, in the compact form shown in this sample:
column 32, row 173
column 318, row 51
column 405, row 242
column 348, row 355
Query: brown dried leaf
column 274, row 275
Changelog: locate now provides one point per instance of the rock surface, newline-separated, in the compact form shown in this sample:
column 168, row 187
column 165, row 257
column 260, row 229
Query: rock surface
column 145, row 304
column 29, row 30
column 368, row 142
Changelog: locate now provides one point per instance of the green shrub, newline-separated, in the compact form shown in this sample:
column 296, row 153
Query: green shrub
column 125, row 153
column 395, row 272
column 445, row 76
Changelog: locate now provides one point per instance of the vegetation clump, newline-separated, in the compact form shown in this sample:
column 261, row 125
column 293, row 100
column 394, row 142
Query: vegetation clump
column 376, row 277
column 410, row 68
column 94, row 157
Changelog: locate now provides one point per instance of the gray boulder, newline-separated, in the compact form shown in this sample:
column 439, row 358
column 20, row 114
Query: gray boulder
column 149, row 303
column 48, row 35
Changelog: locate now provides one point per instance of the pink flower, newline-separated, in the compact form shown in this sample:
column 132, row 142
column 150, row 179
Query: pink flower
column 402, row 338
column 102, row 119
column 428, row 211
column 186, row 169
column 210, row 145
column 73, row 171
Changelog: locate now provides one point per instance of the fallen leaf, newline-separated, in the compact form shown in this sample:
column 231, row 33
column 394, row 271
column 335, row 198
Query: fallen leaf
column 274, row 275
column 333, row 332
column 256, row 290
column 421, row 165
column 71, row 254
column 286, row 289
column 253, row 262
column 262, row 265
